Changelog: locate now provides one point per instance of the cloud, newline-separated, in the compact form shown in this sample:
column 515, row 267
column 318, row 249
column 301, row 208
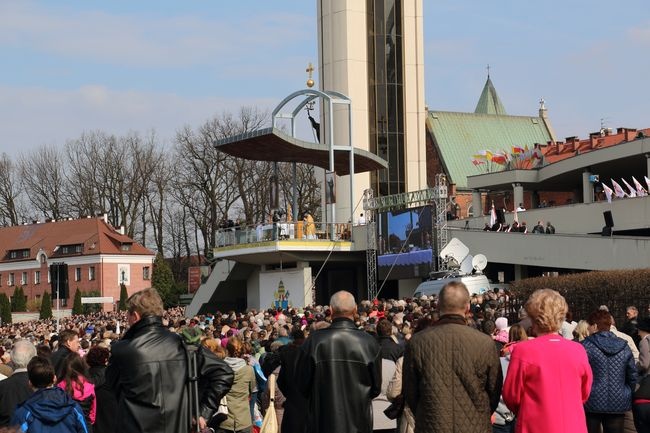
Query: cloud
column 145, row 40
column 640, row 35
column 30, row 117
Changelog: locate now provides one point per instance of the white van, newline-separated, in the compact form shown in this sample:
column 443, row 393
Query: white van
column 476, row 284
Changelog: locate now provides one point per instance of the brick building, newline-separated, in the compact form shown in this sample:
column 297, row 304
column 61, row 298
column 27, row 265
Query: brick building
column 98, row 257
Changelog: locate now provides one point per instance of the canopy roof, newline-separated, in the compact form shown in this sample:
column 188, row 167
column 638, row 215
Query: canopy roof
column 271, row 144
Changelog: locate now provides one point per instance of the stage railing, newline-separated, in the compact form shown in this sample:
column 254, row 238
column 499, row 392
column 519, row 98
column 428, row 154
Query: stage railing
column 282, row 231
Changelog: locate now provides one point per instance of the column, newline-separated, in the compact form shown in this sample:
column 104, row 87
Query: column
column 477, row 205
column 587, row 188
column 647, row 163
column 518, row 195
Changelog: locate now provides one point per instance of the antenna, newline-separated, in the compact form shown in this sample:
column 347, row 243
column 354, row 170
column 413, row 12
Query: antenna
column 479, row 262
column 467, row 265
column 456, row 250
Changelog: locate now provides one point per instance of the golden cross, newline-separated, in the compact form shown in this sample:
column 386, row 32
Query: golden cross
column 309, row 69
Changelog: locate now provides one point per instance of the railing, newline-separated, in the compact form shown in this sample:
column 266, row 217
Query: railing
column 282, row 231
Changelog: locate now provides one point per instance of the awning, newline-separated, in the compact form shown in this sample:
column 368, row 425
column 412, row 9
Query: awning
column 271, row 144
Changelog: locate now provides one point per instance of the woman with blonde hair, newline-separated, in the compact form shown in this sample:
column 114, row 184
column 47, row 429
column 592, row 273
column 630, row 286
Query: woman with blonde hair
column 549, row 377
column 581, row 331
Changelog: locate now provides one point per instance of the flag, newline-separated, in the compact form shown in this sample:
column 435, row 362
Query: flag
column 493, row 216
column 480, row 155
column 477, row 162
column 517, row 149
column 488, row 155
column 499, row 158
column 608, row 192
column 618, row 191
column 640, row 191
column 632, row 190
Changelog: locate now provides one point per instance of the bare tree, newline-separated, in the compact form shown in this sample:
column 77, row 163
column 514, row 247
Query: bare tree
column 43, row 177
column 9, row 192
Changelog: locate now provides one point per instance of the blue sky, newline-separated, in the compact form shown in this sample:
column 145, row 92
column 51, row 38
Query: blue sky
column 125, row 66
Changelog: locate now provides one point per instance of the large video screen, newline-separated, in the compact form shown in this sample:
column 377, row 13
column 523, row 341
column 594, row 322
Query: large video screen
column 405, row 238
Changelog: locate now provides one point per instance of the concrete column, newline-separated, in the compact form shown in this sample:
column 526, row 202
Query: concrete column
column 587, row 188
column 518, row 194
column 647, row 163
column 521, row 272
column 477, row 204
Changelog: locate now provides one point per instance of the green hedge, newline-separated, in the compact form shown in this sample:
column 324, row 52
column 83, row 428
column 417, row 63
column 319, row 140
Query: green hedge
column 586, row 291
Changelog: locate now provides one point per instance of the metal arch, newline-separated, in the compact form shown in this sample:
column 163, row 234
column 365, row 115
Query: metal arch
column 332, row 97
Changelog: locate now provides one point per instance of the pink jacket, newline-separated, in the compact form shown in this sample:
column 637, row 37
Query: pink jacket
column 87, row 391
column 548, row 380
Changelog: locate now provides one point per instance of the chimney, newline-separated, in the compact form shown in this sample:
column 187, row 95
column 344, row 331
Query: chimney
column 630, row 134
column 571, row 144
column 106, row 218
column 121, row 230
column 593, row 139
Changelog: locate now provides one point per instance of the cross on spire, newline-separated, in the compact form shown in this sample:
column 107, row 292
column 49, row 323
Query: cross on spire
column 488, row 70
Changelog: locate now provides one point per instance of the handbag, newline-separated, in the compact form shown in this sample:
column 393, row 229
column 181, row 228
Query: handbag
column 396, row 408
column 270, row 423
column 222, row 412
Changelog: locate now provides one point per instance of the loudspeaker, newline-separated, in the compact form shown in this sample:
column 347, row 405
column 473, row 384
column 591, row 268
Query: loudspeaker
column 59, row 278
column 609, row 219
column 607, row 231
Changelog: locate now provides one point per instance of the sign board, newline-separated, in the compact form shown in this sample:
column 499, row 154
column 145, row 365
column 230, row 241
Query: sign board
column 97, row 300
column 196, row 275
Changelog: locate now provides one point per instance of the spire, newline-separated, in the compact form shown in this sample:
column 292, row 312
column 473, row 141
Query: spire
column 489, row 102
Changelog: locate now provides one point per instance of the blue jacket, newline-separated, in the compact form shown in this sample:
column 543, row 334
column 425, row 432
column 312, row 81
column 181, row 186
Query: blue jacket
column 49, row 410
column 614, row 372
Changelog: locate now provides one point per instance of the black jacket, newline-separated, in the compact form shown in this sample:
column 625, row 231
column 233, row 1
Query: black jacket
column 340, row 375
column 106, row 401
column 389, row 349
column 58, row 361
column 13, row 390
column 148, row 373
column 295, row 405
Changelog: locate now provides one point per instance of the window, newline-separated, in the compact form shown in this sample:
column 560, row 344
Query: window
column 91, row 273
column 37, row 277
column 65, row 250
column 126, row 247
column 78, row 248
column 146, row 273
column 13, row 254
column 25, row 253
column 23, row 278
column 12, row 279
column 77, row 274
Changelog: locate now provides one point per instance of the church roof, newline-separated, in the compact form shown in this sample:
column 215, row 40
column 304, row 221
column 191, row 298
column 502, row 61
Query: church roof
column 489, row 102
column 458, row 136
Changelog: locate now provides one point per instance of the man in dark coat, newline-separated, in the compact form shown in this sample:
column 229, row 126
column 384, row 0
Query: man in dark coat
column 148, row 372
column 340, row 373
column 389, row 348
column 68, row 343
column 630, row 325
column 15, row 389
column 452, row 375
column 295, row 405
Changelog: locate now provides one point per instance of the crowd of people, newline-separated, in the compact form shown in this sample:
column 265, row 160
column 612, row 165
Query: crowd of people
column 445, row 363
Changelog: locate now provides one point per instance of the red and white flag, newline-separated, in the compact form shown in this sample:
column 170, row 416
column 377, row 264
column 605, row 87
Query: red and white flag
column 632, row 190
column 618, row 190
column 640, row 191
column 608, row 192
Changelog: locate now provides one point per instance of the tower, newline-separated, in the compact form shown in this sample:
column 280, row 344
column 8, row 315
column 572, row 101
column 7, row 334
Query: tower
column 372, row 51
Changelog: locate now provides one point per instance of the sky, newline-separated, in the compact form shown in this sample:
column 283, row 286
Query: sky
column 122, row 66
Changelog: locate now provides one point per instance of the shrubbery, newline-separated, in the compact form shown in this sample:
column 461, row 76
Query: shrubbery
column 586, row 291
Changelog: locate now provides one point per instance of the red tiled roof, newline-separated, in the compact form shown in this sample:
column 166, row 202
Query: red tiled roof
column 573, row 146
column 96, row 236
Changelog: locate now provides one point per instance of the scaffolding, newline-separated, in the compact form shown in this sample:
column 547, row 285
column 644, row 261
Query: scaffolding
column 436, row 196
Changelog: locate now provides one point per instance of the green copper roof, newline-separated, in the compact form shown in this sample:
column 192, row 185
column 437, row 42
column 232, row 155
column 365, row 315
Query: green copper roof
column 458, row 136
column 489, row 102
